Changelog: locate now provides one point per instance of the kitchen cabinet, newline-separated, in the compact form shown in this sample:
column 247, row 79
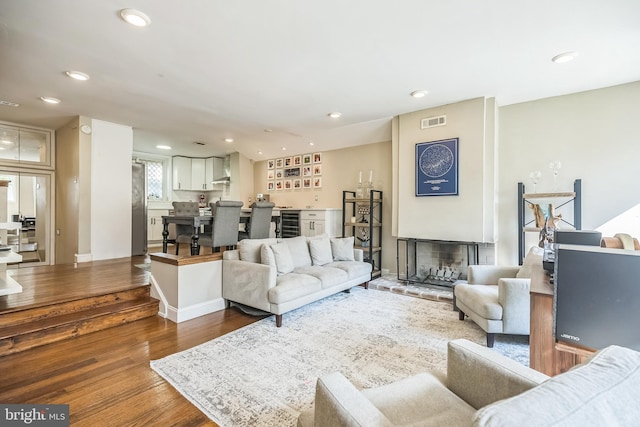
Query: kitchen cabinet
column 154, row 224
column 196, row 174
column 181, row 173
column 316, row 222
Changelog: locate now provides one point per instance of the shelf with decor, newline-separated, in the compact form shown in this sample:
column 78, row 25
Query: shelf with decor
column 526, row 200
column 362, row 219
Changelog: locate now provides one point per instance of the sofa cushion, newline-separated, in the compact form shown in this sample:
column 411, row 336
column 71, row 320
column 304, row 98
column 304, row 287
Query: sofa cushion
column 602, row 392
column 299, row 249
column 282, row 255
column 327, row 275
column 352, row 268
column 534, row 257
column 250, row 248
column 293, row 286
column 483, row 298
column 420, row 400
column 320, row 250
column 342, row 248
column 266, row 256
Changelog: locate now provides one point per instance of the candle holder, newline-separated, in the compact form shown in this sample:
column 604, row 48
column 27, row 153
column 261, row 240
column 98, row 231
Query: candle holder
column 369, row 188
column 359, row 191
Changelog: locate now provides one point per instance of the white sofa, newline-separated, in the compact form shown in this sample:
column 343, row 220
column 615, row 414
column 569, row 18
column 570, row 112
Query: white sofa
column 280, row 275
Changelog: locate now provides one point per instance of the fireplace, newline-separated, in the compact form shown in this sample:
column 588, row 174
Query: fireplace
column 435, row 262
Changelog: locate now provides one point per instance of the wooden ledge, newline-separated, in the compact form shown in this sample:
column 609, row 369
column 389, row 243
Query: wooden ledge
column 179, row 260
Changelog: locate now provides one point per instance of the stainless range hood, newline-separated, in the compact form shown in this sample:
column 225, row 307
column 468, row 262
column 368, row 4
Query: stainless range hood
column 225, row 177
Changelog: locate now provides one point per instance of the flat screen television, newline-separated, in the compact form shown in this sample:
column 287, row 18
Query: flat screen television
column 597, row 296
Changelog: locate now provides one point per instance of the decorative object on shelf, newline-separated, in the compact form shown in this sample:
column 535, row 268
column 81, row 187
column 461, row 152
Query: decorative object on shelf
column 437, row 168
column 363, row 211
column 551, row 221
column 555, row 167
column 359, row 189
column 535, row 178
column 364, row 237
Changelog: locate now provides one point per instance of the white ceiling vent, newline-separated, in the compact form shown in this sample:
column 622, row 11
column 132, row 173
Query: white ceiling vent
column 430, row 122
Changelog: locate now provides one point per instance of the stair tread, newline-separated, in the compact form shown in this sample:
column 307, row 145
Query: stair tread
column 63, row 319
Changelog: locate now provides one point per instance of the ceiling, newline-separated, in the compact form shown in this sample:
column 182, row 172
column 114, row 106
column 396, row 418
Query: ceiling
column 267, row 72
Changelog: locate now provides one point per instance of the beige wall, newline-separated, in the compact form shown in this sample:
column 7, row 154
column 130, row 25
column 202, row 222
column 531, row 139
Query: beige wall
column 340, row 172
column 67, row 192
column 594, row 135
column 469, row 216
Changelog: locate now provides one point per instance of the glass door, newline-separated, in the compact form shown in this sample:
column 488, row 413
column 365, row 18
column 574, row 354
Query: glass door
column 28, row 216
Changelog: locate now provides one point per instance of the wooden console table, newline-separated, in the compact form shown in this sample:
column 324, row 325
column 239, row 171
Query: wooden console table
column 544, row 355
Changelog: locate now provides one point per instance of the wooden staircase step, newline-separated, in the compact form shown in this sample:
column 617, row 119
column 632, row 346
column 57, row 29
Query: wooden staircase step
column 52, row 329
column 27, row 315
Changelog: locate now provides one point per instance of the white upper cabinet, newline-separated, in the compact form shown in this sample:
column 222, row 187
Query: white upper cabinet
column 196, row 174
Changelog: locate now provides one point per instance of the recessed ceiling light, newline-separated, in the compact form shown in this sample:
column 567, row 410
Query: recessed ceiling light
column 284, row 148
column 50, row 100
column 163, row 147
column 268, row 130
column 311, row 143
column 135, row 17
column 419, row 93
column 77, row 75
column 228, row 140
column 260, row 152
column 335, row 115
column 8, row 103
column 564, row 57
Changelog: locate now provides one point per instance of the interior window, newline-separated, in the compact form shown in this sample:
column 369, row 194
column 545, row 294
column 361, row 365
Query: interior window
column 155, row 180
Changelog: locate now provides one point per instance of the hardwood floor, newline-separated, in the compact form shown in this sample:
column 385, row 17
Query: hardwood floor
column 105, row 376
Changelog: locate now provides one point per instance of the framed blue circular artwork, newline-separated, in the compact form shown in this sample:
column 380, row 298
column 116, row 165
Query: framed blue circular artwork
column 437, row 168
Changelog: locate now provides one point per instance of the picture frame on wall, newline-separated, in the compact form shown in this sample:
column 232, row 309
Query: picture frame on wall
column 306, row 171
column 306, row 183
column 306, row 159
column 270, row 186
column 317, row 182
column 297, row 184
column 278, row 185
column 317, row 157
column 317, row 170
column 437, row 168
column 279, row 173
column 288, row 162
column 287, row 184
column 271, row 174
column 279, row 163
column 297, row 160
column 271, row 164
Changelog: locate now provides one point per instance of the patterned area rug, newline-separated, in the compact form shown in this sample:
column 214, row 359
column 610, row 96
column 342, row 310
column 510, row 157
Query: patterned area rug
column 263, row 375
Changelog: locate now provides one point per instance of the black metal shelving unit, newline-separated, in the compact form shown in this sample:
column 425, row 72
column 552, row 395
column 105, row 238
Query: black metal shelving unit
column 525, row 201
column 367, row 227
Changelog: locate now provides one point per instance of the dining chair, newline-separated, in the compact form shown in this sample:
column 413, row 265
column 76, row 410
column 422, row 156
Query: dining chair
column 224, row 229
column 184, row 232
column 259, row 224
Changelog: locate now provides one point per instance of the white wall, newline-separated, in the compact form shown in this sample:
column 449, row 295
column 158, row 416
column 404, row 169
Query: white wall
column 595, row 136
column 469, row 216
column 111, row 151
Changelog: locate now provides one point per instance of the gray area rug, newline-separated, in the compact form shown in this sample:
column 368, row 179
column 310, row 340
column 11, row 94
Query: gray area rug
column 263, row 375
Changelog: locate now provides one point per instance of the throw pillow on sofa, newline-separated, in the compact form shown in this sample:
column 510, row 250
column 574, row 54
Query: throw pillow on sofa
column 342, row 248
column 320, row 250
column 282, row 255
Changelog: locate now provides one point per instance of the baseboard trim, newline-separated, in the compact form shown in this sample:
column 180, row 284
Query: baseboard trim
column 187, row 313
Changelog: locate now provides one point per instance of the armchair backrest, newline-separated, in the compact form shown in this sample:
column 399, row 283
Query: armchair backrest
column 186, row 208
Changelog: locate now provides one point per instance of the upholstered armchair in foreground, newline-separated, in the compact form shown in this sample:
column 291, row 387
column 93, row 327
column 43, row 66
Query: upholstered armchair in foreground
column 497, row 298
column 482, row 389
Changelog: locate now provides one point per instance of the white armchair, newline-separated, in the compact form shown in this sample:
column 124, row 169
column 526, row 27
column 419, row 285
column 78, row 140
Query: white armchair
column 497, row 298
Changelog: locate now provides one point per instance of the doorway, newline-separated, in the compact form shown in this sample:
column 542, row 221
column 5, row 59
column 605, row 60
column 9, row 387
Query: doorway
column 28, row 216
